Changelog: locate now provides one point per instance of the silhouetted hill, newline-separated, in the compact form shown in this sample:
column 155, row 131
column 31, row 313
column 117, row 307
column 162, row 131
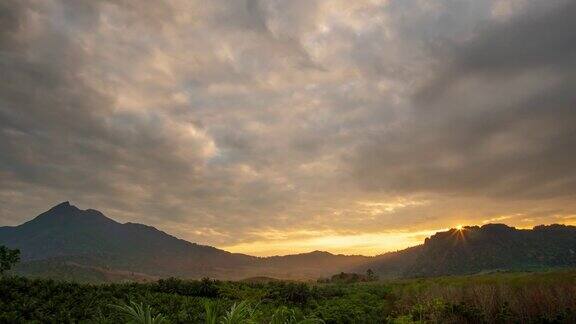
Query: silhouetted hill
column 66, row 241
column 87, row 236
column 492, row 247
column 66, row 237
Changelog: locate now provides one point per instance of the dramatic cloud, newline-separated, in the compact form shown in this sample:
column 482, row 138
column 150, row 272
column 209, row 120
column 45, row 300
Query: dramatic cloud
column 352, row 126
column 497, row 118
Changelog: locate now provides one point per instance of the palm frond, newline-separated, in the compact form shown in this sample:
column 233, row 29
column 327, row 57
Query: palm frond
column 240, row 313
column 212, row 312
column 285, row 315
column 138, row 313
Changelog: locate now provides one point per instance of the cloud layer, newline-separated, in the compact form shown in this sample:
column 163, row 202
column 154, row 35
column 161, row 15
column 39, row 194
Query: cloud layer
column 241, row 123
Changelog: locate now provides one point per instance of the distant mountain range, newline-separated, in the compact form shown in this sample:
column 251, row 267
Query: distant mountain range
column 67, row 242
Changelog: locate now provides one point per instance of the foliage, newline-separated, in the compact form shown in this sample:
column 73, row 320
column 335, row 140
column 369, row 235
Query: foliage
column 290, row 293
column 503, row 297
column 212, row 311
column 370, row 275
column 138, row 313
column 239, row 313
column 203, row 288
column 344, row 277
column 8, row 258
column 285, row 315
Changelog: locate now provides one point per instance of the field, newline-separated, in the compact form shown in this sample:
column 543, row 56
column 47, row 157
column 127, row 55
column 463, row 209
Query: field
column 548, row 297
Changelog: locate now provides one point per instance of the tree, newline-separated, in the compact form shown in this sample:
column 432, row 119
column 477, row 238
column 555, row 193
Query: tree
column 370, row 275
column 8, row 258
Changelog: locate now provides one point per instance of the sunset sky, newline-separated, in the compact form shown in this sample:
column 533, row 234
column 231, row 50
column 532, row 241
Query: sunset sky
column 276, row 127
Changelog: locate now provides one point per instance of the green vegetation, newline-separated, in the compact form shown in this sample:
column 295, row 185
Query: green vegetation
column 8, row 258
column 501, row 297
column 344, row 277
column 139, row 313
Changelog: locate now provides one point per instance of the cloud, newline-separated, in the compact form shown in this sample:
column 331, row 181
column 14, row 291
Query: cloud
column 226, row 121
column 496, row 118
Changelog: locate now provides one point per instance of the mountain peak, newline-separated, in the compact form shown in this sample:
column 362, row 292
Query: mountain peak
column 66, row 213
column 63, row 206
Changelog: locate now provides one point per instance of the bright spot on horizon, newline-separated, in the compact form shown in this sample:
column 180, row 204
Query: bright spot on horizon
column 459, row 227
column 368, row 244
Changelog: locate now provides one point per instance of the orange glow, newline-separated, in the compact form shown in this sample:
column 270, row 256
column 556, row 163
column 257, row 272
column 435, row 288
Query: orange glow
column 282, row 243
column 459, row 227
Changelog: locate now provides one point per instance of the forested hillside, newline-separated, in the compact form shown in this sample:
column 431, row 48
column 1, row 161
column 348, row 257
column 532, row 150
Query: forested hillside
column 474, row 249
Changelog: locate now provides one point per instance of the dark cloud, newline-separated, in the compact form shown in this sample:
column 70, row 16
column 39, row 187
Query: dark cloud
column 497, row 120
column 58, row 124
column 540, row 37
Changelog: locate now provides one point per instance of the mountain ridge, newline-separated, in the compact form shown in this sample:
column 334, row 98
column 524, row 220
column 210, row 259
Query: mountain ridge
column 475, row 249
column 71, row 235
column 70, row 239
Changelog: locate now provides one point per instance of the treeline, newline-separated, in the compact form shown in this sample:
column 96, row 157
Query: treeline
column 504, row 298
column 344, row 277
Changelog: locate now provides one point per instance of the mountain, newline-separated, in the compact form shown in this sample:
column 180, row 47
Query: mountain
column 66, row 239
column 474, row 249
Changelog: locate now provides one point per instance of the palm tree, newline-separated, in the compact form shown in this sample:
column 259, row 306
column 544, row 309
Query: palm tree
column 240, row 313
column 285, row 315
column 138, row 313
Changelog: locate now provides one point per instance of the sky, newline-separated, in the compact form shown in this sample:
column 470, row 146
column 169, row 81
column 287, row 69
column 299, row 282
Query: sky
column 273, row 127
